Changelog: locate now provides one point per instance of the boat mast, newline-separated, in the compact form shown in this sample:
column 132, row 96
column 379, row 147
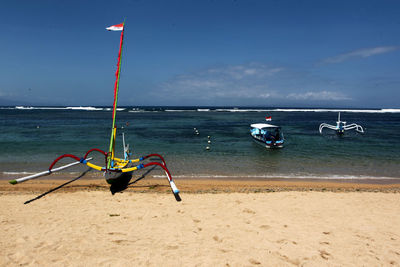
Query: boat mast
column 116, row 86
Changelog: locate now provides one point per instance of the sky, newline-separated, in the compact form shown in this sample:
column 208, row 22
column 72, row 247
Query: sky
column 202, row 53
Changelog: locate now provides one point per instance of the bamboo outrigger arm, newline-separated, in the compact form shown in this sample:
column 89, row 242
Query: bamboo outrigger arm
column 118, row 165
column 40, row 174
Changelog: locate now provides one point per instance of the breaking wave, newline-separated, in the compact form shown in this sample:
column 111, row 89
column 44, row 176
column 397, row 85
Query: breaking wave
column 205, row 109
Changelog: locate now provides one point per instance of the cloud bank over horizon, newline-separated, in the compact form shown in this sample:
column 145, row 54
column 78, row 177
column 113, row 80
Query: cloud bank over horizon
column 247, row 84
column 251, row 84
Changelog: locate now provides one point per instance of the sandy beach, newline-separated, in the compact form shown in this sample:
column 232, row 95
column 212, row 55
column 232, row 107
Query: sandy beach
column 218, row 223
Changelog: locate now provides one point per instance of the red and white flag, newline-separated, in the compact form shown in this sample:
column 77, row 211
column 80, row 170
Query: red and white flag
column 269, row 118
column 118, row 27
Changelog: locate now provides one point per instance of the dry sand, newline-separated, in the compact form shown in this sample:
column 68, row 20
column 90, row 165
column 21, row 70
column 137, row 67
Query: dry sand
column 218, row 223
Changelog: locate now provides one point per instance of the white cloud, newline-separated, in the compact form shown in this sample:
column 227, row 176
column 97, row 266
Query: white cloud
column 361, row 53
column 246, row 84
column 321, row 95
column 245, row 71
column 235, row 81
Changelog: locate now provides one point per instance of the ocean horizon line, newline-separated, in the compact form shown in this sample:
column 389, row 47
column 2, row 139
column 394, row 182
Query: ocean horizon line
column 205, row 109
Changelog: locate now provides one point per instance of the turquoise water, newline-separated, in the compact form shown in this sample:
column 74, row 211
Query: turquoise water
column 31, row 138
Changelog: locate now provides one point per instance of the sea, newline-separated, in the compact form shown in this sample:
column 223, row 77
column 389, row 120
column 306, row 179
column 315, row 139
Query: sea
column 32, row 137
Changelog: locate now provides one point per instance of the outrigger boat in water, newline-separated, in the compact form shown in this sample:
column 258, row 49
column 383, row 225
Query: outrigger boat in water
column 115, row 169
column 267, row 135
column 341, row 126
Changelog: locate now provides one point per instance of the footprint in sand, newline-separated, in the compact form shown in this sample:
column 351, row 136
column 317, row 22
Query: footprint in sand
column 115, row 233
column 264, row 226
column 41, row 244
column 365, row 237
column 196, row 220
column 325, row 255
column 255, row 262
column 216, row 238
column 121, row 241
column 249, row 211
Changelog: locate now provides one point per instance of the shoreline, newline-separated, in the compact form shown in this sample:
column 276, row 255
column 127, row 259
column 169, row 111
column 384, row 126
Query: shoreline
column 207, row 185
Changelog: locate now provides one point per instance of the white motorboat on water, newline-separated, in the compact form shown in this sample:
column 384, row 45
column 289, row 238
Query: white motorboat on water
column 267, row 135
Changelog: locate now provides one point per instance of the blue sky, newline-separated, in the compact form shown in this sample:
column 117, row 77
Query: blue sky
column 234, row 53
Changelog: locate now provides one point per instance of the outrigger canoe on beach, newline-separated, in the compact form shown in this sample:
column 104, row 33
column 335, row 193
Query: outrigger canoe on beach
column 115, row 169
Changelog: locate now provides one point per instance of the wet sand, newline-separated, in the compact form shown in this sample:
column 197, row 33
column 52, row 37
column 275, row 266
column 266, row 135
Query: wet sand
column 238, row 185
